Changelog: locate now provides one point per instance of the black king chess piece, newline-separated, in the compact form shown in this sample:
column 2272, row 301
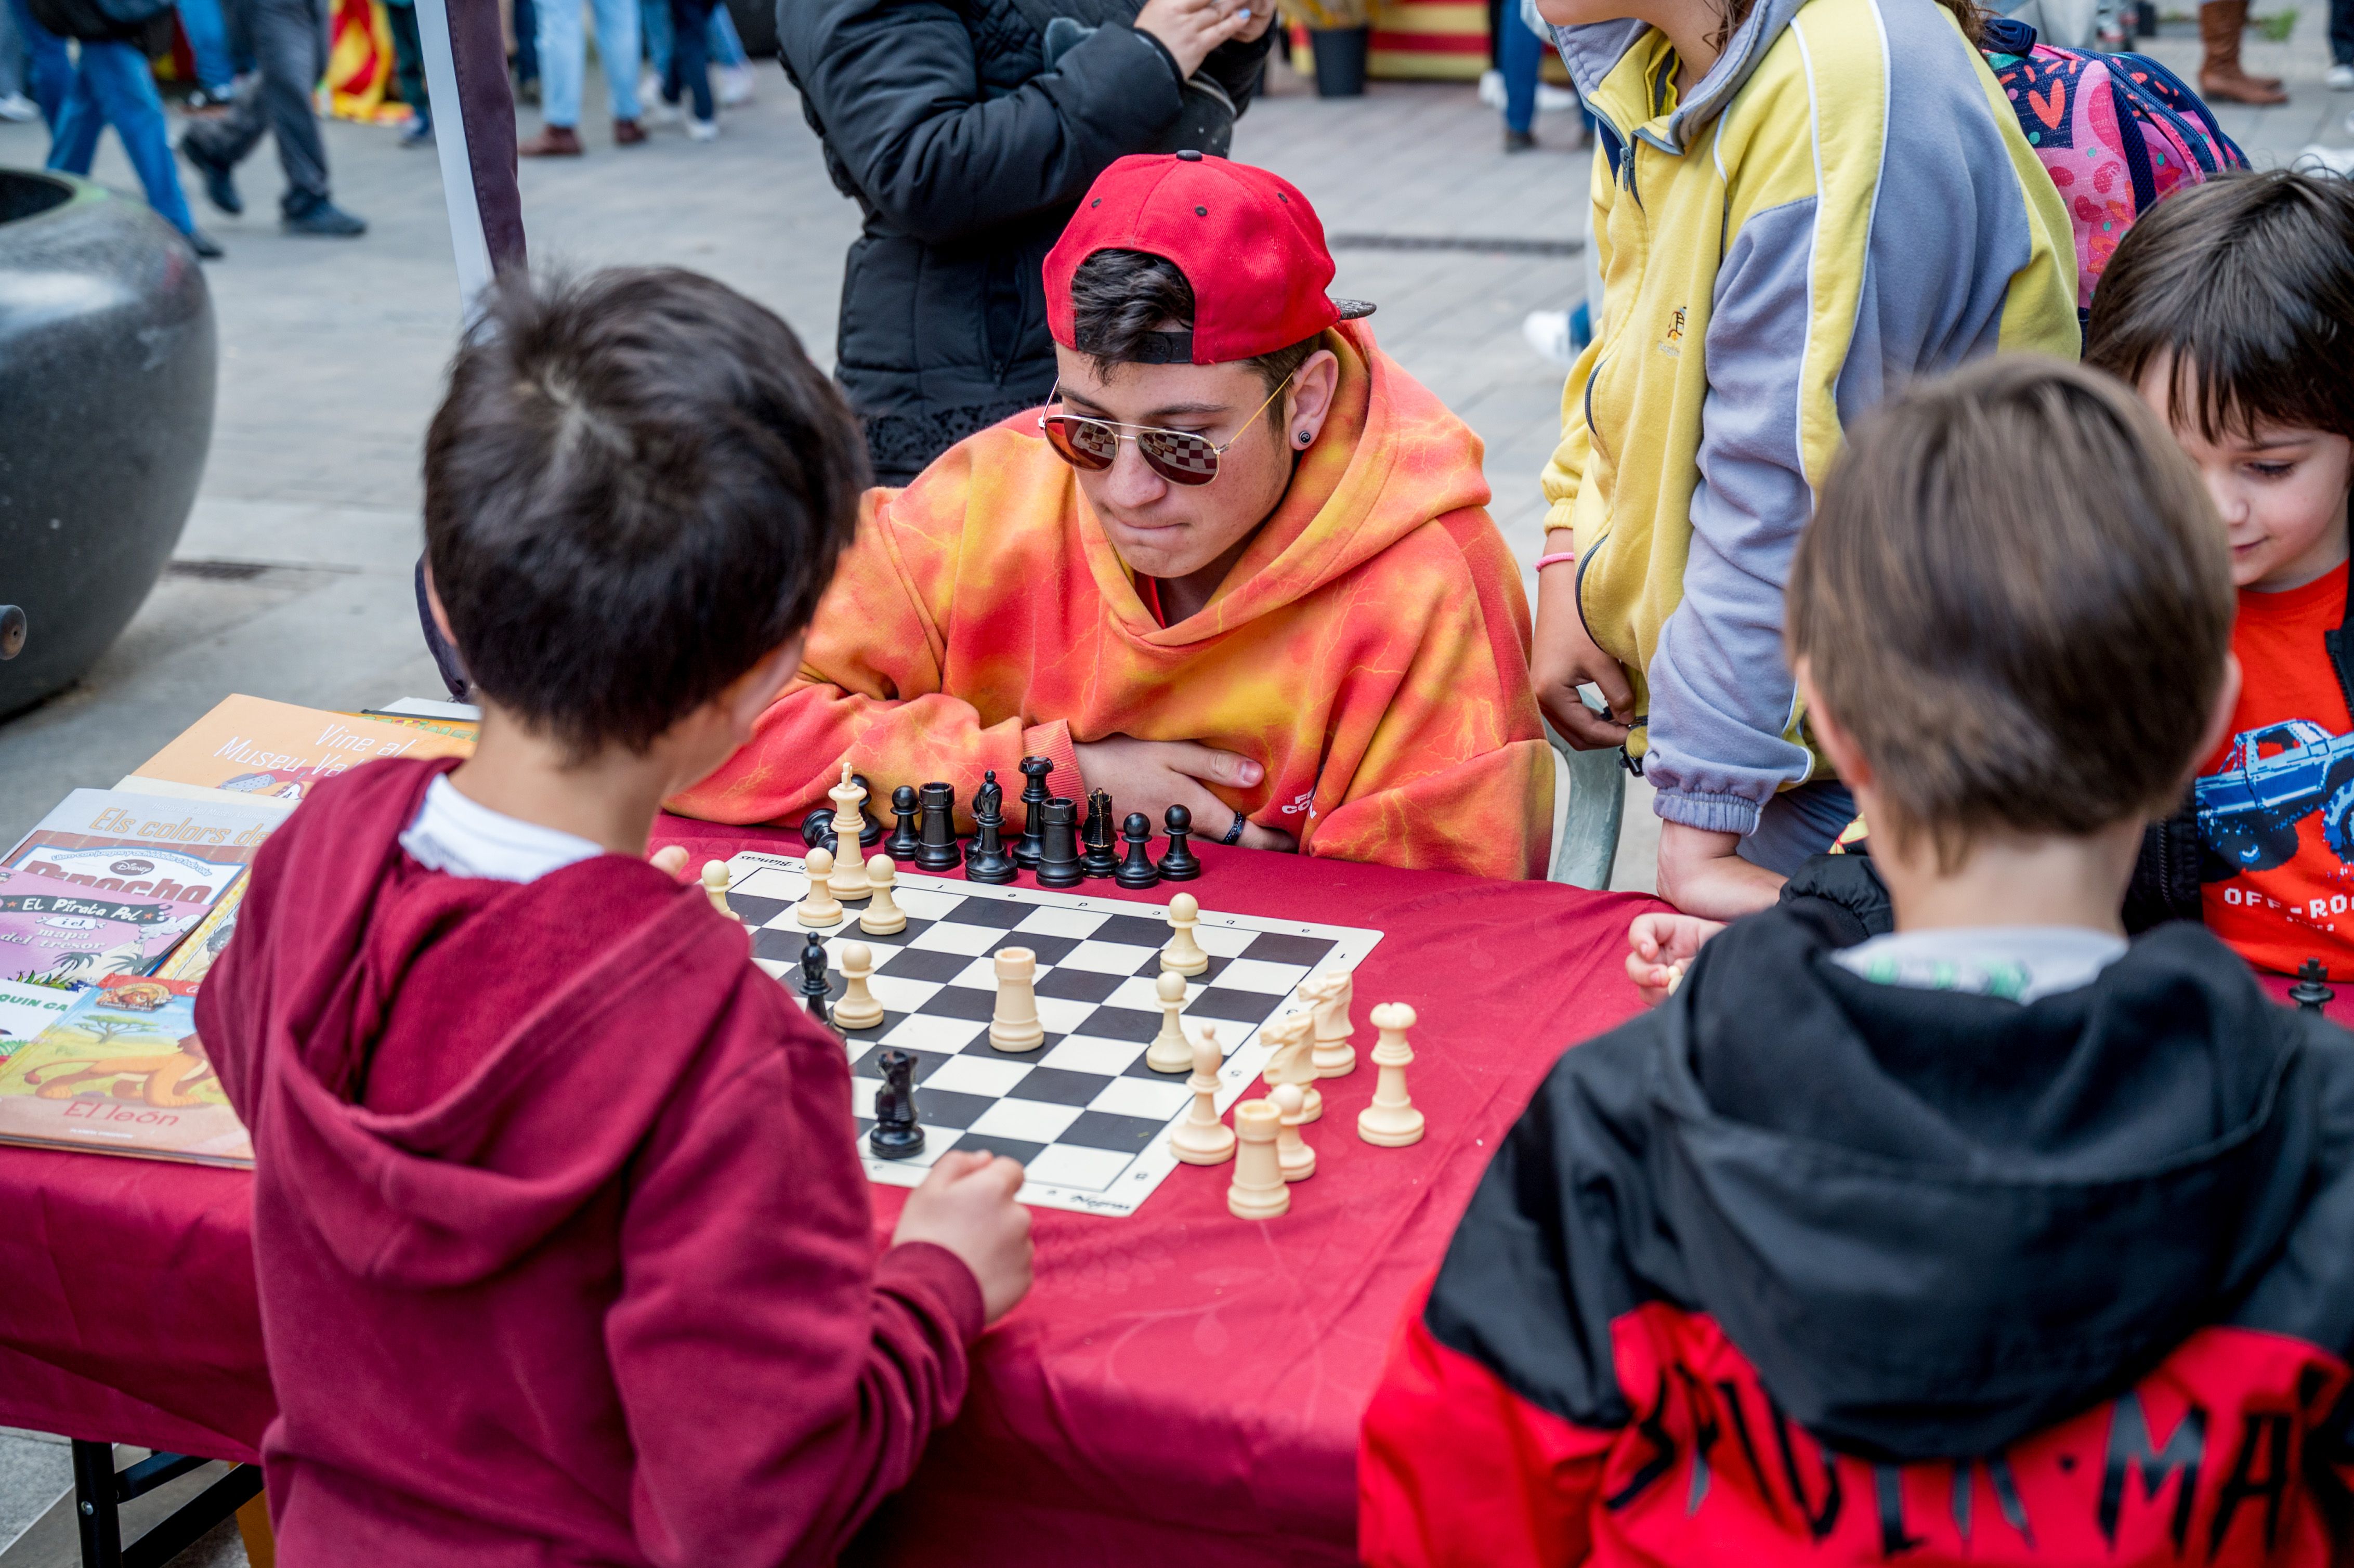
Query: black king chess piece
column 1098, row 841
column 2309, row 994
column 986, row 860
column 1138, row 870
column 815, row 987
column 936, row 848
column 1058, row 855
column 870, row 831
column 1179, row 863
column 1031, row 845
column 896, row 1134
column 903, row 843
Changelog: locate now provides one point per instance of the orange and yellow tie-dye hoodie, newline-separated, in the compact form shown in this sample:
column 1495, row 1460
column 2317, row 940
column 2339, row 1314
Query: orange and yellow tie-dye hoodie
column 1369, row 650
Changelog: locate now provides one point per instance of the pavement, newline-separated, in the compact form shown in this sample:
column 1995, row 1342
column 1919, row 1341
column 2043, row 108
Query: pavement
column 332, row 353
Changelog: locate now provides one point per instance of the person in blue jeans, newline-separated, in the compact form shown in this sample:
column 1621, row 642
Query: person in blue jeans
column 208, row 44
column 1519, row 52
column 48, row 68
column 563, row 61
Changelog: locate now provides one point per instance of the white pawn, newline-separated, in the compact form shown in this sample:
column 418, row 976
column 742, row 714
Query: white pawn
column 1259, row 1192
column 884, row 916
column 1202, row 1139
column 1292, row 1155
column 1014, row 1022
column 848, row 881
column 714, row 887
column 820, row 906
column 1391, row 1120
column 1184, row 955
column 857, row 1009
column 1169, row 1052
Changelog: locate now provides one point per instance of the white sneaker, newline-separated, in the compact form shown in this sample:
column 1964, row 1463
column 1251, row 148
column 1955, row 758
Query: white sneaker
column 1491, row 88
column 18, row 109
column 1554, row 98
column 1548, row 334
column 655, row 111
column 650, row 86
column 2320, row 159
column 2341, row 77
column 736, row 85
column 701, row 130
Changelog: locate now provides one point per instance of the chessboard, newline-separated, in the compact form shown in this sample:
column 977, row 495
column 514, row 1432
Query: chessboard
column 1085, row 1115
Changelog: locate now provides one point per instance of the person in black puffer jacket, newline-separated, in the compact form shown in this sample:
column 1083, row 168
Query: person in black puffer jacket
column 967, row 130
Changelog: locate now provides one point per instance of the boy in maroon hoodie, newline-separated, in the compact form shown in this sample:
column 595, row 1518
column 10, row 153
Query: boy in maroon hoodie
column 565, row 1252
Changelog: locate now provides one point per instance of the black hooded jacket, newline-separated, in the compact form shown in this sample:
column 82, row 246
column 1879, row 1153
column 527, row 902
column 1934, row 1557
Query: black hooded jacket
column 967, row 154
column 1925, row 1230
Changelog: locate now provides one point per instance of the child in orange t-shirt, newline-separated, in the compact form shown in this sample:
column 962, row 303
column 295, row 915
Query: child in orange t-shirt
column 2231, row 309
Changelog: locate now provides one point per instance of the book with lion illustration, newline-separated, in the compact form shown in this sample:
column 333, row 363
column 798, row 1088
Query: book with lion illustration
column 121, row 1072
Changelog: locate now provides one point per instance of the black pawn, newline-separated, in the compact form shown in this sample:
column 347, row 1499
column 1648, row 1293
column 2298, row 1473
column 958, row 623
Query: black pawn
column 986, row 860
column 1098, row 856
column 817, row 831
column 870, row 831
column 936, row 848
column 2309, row 994
column 1031, row 847
column 1058, row 857
column 815, row 986
column 903, row 843
column 1138, row 870
column 1180, row 864
column 896, row 1134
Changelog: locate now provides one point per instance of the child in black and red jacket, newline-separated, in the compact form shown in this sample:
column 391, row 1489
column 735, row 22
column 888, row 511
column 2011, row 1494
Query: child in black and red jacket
column 1994, row 1238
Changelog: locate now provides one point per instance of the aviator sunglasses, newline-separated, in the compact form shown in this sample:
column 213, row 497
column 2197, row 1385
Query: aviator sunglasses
column 1179, row 457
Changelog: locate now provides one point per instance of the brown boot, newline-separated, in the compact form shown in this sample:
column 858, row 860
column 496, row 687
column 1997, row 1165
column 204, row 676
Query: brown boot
column 564, row 141
column 2220, row 23
column 627, row 132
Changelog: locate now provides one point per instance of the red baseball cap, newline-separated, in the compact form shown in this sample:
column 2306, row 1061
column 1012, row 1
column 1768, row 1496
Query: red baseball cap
column 1247, row 240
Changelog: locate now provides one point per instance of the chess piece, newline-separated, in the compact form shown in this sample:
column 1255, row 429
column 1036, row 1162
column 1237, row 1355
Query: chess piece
column 1169, row 1052
column 884, row 916
column 896, row 1135
column 1098, row 837
column 1058, row 846
column 1182, row 953
column 817, row 831
column 1293, row 1061
column 870, row 831
column 1328, row 996
column 1391, row 1120
column 848, row 882
column 1136, row 871
column 1031, row 847
column 1202, row 1139
column 857, row 1009
column 1178, row 863
column 1259, row 1192
column 903, row 843
column 1014, row 1022
column 985, row 859
column 936, row 840
column 714, row 887
column 2309, row 994
column 820, row 906
column 814, row 984
column 1292, row 1155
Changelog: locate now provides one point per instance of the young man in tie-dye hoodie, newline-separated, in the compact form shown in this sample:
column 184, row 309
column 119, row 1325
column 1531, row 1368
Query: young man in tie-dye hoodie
column 1240, row 562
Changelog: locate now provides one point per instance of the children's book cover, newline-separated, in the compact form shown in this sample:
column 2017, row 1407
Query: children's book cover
column 27, row 1009
column 193, row 958
column 122, row 842
column 122, row 1073
column 67, row 938
column 252, row 747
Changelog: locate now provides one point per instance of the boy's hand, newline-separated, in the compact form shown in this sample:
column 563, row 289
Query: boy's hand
column 966, row 1205
column 1703, row 873
column 1151, row 775
column 1563, row 657
column 1658, row 946
column 1190, row 29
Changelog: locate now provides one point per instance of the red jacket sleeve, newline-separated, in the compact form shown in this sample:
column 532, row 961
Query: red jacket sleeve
column 777, row 1378
column 1455, row 1469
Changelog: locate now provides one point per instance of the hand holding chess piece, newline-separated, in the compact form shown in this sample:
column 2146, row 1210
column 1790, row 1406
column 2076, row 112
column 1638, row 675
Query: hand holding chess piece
column 818, row 906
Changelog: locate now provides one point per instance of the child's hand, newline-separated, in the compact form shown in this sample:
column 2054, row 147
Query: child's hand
column 966, row 1205
column 672, row 859
column 1659, row 946
column 1701, row 872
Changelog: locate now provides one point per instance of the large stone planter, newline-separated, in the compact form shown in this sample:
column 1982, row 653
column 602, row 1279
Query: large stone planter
column 107, row 364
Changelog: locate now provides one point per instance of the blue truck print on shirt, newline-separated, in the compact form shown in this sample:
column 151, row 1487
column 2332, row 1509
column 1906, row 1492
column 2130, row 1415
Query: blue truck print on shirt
column 2273, row 778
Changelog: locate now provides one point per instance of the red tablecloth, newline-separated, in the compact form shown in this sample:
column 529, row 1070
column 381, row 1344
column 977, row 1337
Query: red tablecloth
column 1180, row 1386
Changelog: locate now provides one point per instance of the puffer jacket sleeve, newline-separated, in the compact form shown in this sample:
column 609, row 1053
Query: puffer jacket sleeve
column 896, row 89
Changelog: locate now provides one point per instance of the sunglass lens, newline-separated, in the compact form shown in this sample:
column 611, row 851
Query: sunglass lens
column 1179, row 458
column 1082, row 443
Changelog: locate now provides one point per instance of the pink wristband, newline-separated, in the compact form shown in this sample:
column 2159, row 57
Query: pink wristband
column 1555, row 559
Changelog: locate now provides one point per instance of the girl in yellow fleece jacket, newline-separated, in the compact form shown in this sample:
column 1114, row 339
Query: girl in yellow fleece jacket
column 1799, row 207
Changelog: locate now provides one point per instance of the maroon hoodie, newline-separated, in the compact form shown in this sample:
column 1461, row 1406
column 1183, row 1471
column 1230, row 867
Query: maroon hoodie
column 564, row 1249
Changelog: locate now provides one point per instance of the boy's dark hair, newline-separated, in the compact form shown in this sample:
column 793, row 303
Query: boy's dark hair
column 1120, row 297
column 2016, row 598
column 635, row 489
column 2248, row 282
